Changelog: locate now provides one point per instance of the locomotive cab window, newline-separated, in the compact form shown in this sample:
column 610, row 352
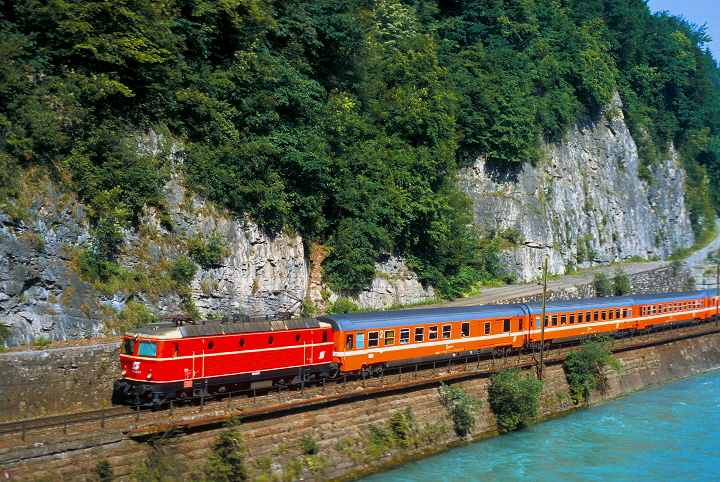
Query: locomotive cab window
column 373, row 339
column 419, row 333
column 147, row 348
column 389, row 337
column 324, row 337
column 465, row 329
column 404, row 336
column 128, row 347
column 447, row 331
column 506, row 326
column 433, row 333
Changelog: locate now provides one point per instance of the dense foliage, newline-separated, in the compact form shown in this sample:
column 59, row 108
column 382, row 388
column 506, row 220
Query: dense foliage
column 462, row 407
column 343, row 121
column 583, row 367
column 514, row 398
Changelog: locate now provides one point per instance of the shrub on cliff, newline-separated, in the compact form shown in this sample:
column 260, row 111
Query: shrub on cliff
column 461, row 406
column 583, row 367
column 514, row 398
column 227, row 460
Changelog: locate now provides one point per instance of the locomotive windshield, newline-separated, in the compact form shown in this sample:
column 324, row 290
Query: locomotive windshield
column 128, row 347
column 147, row 348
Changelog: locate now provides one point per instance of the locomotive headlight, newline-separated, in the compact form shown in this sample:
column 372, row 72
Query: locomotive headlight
column 123, row 372
column 149, row 376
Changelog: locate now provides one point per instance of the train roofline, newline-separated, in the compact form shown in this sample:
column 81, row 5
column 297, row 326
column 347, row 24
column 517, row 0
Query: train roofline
column 426, row 316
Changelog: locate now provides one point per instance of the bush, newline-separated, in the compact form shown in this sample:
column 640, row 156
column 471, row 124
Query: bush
column 227, row 460
column 602, row 284
column 134, row 315
column 207, row 251
column 309, row 445
column 400, row 425
column 104, row 471
column 621, row 283
column 4, row 332
column 342, row 305
column 41, row 342
column 182, row 270
column 461, row 406
column 583, row 367
column 514, row 398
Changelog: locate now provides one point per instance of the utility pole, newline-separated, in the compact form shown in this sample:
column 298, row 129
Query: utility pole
column 542, row 321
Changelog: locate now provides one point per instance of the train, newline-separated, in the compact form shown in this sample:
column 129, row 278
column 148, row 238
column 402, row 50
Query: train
column 179, row 358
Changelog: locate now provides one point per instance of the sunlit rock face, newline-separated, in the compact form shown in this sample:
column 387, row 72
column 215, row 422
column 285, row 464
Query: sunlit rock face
column 583, row 203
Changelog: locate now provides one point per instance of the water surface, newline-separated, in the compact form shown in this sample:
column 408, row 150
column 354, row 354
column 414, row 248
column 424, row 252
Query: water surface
column 668, row 432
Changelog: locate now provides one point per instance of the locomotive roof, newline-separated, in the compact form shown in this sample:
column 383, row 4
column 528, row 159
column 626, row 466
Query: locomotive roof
column 218, row 327
column 394, row 319
column 535, row 307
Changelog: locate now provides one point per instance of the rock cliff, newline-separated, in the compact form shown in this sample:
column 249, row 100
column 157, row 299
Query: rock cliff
column 583, row 203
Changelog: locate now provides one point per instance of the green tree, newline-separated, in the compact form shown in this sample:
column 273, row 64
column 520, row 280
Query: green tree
column 514, row 398
column 602, row 285
column 620, row 283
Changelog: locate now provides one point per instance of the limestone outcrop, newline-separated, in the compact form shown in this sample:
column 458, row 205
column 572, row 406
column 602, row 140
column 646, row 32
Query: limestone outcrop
column 584, row 203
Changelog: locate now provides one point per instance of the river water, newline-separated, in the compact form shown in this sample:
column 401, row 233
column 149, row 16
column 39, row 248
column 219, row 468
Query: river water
column 668, row 432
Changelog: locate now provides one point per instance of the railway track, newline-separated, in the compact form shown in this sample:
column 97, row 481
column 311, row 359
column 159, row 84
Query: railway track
column 203, row 411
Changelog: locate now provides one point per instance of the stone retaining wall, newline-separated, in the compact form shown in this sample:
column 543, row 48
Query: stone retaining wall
column 343, row 430
column 36, row 383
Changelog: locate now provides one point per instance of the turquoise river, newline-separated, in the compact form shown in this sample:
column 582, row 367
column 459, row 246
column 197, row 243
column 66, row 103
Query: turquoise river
column 667, row 432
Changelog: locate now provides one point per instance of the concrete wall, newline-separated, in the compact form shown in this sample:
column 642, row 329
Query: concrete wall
column 343, row 430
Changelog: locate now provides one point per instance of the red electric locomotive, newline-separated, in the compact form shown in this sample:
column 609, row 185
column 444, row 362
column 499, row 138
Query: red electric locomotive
column 179, row 357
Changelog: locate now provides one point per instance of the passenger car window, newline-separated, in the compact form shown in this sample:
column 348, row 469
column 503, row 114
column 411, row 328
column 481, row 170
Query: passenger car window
column 466, row 329
column 506, row 325
column 487, row 327
column 419, row 333
column 447, row 331
column 433, row 333
column 373, row 339
column 349, row 342
column 360, row 340
column 389, row 337
column 405, row 335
